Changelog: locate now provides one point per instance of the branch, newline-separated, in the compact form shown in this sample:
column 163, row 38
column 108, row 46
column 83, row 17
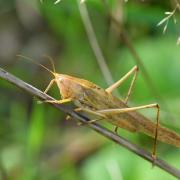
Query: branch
column 98, row 128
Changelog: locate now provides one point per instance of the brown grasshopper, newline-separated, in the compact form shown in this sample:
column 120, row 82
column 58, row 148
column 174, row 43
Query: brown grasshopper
column 94, row 100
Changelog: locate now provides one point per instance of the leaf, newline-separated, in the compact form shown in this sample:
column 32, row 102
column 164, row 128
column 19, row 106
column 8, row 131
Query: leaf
column 57, row 1
column 178, row 41
column 168, row 13
column 165, row 27
column 162, row 21
column 174, row 18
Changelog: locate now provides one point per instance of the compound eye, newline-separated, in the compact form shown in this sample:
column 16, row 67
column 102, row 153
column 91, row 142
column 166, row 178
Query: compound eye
column 60, row 79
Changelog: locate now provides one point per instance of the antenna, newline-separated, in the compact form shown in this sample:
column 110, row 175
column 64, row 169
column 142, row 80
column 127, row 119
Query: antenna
column 51, row 61
column 30, row 59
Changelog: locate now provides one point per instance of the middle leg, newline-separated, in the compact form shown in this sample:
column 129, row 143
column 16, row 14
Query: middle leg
column 118, row 83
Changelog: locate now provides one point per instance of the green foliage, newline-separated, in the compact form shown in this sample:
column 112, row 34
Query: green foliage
column 36, row 141
column 113, row 162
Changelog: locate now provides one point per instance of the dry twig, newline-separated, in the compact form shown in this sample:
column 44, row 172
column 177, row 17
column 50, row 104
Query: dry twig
column 94, row 43
column 98, row 128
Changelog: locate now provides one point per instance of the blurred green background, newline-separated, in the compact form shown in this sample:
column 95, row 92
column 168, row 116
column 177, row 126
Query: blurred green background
column 35, row 140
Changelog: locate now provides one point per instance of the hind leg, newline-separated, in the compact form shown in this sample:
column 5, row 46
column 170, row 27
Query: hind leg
column 124, row 110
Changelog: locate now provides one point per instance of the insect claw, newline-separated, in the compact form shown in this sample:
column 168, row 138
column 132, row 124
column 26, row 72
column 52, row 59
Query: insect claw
column 91, row 121
column 49, row 101
column 80, row 124
column 39, row 102
column 153, row 160
column 68, row 117
column 78, row 109
column 116, row 129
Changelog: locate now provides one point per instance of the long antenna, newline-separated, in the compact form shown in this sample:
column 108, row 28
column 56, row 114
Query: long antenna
column 51, row 61
column 29, row 59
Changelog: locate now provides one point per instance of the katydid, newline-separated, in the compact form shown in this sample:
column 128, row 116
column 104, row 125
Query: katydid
column 92, row 99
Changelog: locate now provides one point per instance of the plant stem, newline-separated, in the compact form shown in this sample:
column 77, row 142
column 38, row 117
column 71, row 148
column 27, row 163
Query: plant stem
column 98, row 128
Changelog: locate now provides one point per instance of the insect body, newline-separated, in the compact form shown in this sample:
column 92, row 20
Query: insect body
column 89, row 96
column 92, row 99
